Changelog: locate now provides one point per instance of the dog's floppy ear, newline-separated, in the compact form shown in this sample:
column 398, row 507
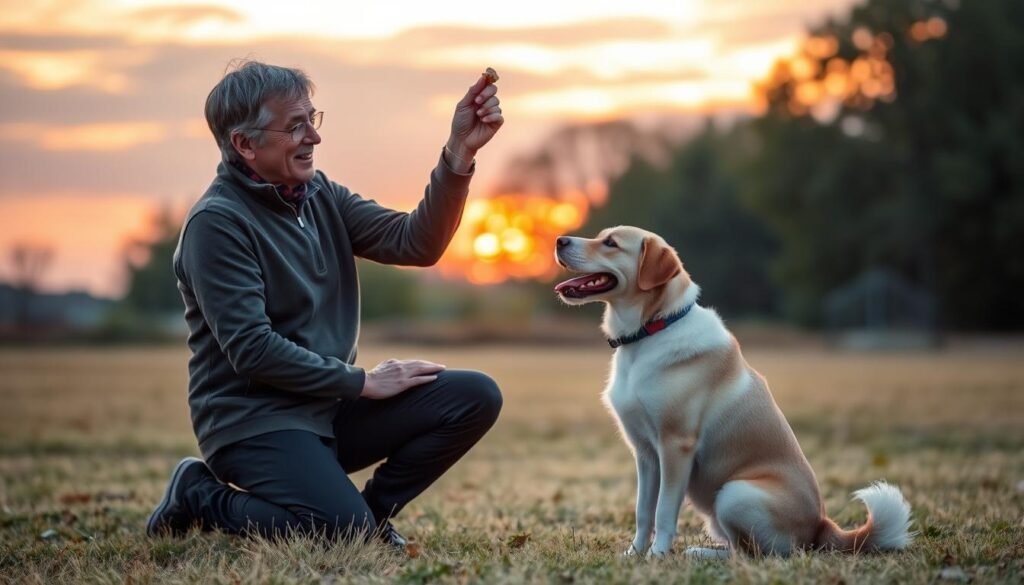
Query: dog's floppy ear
column 658, row 264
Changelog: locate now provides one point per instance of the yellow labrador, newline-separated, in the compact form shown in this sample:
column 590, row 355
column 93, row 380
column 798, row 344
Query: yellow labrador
column 700, row 421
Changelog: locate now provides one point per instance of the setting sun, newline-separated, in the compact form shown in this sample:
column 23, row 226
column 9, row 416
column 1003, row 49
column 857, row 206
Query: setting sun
column 510, row 236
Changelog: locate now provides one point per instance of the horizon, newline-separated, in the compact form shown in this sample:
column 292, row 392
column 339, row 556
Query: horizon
column 103, row 122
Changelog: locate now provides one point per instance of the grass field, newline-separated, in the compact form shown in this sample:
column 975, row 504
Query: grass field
column 88, row 437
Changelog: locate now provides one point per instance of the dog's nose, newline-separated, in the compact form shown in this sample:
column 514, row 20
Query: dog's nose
column 563, row 242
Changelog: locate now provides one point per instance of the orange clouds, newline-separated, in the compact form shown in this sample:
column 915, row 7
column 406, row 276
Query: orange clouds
column 53, row 70
column 96, row 137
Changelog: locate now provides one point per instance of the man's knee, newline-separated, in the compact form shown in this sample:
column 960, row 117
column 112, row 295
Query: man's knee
column 480, row 393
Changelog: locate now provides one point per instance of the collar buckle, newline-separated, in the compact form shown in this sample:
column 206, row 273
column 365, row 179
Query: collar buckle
column 655, row 326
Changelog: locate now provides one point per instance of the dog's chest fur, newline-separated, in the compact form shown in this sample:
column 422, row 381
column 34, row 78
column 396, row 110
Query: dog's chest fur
column 658, row 389
column 649, row 398
column 626, row 399
column 636, row 391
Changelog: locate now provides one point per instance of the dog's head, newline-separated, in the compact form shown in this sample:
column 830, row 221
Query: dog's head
column 620, row 263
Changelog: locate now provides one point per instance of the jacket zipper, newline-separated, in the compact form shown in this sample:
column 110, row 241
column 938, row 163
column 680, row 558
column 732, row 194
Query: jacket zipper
column 314, row 247
column 294, row 208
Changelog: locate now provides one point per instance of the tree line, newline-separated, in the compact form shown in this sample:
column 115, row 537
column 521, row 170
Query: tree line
column 894, row 140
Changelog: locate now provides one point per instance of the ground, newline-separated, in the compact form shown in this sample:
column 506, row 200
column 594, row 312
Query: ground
column 88, row 438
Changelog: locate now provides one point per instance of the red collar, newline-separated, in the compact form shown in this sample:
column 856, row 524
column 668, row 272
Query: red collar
column 650, row 328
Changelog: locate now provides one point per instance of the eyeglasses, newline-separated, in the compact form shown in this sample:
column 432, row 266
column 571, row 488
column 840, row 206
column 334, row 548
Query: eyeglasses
column 298, row 131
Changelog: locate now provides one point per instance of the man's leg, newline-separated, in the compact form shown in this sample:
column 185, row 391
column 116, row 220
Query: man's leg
column 293, row 484
column 421, row 432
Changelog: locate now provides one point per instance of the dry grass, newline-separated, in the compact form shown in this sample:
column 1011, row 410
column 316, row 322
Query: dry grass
column 87, row 438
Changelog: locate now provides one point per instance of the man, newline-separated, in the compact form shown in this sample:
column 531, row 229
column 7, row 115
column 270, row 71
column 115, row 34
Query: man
column 266, row 267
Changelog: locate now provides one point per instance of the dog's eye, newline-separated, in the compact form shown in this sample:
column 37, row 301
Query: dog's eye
column 610, row 242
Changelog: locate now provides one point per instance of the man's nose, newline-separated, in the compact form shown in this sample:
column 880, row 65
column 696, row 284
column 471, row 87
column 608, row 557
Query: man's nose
column 563, row 241
column 312, row 136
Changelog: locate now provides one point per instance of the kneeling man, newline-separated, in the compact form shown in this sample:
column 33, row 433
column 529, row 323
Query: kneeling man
column 266, row 267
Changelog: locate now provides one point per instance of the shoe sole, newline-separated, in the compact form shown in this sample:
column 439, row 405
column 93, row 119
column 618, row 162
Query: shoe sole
column 151, row 528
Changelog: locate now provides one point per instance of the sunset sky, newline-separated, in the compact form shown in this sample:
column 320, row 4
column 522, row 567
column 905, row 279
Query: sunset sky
column 101, row 101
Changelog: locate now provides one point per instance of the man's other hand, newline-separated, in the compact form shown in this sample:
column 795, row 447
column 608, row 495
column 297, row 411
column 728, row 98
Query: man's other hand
column 392, row 377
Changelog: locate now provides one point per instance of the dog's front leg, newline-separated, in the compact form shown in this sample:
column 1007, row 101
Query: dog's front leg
column 648, row 479
column 675, row 455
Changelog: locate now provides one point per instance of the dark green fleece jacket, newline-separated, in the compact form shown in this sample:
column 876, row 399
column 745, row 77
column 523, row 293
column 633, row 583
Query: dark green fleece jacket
column 272, row 297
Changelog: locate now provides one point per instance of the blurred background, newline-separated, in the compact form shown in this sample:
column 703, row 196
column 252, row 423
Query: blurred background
column 853, row 169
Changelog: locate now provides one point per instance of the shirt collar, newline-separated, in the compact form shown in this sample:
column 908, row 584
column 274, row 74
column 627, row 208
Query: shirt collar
column 290, row 195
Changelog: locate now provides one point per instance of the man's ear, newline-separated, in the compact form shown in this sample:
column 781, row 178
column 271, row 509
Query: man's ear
column 243, row 145
column 658, row 264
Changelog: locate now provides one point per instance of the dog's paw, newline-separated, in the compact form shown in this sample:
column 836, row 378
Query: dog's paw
column 659, row 553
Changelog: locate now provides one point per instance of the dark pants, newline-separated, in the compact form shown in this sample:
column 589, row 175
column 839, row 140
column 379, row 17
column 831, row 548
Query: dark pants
column 297, row 481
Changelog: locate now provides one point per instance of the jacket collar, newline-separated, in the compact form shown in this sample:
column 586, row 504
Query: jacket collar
column 264, row 192
column 650, row 328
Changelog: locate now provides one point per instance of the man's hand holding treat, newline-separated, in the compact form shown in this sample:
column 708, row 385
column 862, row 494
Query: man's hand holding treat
column 477, row 119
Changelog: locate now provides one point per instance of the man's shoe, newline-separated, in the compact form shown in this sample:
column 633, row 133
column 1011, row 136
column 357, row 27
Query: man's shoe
column 392, row 538
column 171, row 516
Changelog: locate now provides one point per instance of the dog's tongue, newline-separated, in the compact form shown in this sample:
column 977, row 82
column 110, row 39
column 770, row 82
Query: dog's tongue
column 588, row 284
column 573, row 283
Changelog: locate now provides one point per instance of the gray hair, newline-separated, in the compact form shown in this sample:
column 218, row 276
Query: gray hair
column 238, row 102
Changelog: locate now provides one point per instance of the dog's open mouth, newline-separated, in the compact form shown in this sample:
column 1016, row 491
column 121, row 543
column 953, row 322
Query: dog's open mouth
column 586, row 285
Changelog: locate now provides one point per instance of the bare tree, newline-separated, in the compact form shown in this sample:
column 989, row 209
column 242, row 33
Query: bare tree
column 29, row 262
column 583, row 158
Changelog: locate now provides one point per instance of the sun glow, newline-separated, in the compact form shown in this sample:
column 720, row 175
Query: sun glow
column 822, row 80
column 511, row 236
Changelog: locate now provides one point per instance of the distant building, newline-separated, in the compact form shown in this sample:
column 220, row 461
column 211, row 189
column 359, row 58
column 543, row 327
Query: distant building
column 73, row 310
column 881, row 310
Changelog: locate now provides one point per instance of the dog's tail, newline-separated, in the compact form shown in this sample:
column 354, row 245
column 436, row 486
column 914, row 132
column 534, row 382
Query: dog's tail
column 887, row 528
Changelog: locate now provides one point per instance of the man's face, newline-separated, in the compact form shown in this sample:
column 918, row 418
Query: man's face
column 280, row 159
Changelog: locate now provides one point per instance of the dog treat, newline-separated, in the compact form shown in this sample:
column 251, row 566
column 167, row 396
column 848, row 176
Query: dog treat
column 490, row 74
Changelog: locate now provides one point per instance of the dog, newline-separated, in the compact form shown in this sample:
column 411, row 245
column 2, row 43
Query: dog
column 700, row 421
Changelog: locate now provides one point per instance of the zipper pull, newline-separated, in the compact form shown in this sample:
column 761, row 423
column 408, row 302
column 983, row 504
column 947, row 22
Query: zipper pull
column 299, row 217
